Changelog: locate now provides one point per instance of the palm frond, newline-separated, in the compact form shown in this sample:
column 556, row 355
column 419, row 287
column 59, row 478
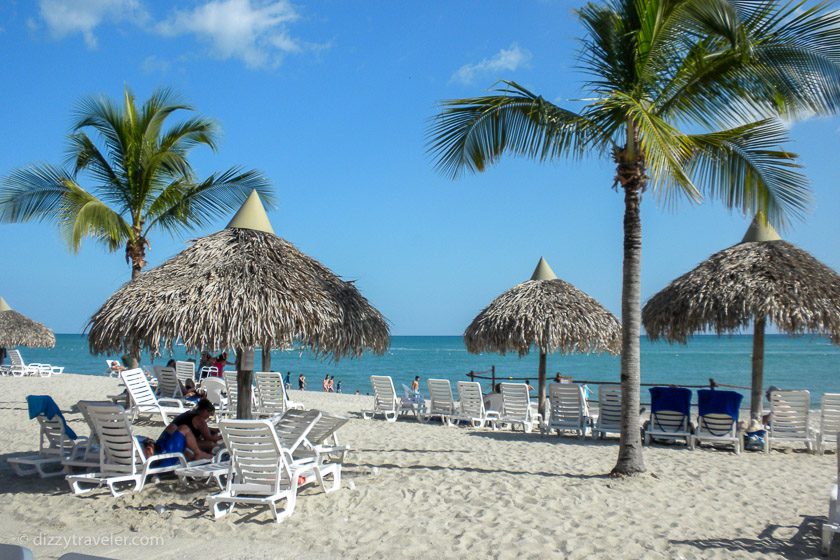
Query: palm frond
column 33, row 193
column 83, row 215
column 472, row 133
column 746, row 168
column 185, row 206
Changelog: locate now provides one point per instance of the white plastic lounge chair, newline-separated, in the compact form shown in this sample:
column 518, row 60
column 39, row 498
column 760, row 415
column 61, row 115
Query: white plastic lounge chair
column 609, row 411
column 307, row 434
column 121, row 457
column 185, row 371
column 832, row 526
column 790, row 419
column 670, row 415
column 55, row 445
column 472, row 406
column 385, row 401
column 569, row 410
column 262, row 472
column 717, row 421
column 17, row 367
column 829, row 421
column 441, row 403
column 85, row 455
column 271, row 395
column 109, row 369
column 516, row 407
column 144, row 401
column 322, row 439
column 230, row 379
column 169, row 387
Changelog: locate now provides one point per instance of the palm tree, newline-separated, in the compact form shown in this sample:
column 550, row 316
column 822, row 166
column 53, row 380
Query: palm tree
column 686, row 97
column 140, row 178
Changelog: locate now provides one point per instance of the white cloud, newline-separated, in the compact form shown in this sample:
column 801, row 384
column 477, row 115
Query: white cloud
column 256, row 32
column 83, row 16
column 508, row 59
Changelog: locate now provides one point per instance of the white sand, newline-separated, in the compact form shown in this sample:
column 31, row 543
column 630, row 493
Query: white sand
column 439, row 493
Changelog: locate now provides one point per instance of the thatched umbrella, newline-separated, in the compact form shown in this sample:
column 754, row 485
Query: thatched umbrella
column 548, row 313
column 760, row 279
column 19, row 330
column 240, row 288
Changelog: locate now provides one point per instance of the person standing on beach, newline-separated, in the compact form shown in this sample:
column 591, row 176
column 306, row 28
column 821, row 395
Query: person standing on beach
column 415, row 385
column 301, row 382
column 325, row 384
column 288, row 381
column 338, row 386
column 331, row 384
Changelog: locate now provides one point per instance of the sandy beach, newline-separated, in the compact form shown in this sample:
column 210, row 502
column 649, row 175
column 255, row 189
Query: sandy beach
column 423, row 490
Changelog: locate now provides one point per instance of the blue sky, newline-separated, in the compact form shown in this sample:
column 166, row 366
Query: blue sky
column 331, row 100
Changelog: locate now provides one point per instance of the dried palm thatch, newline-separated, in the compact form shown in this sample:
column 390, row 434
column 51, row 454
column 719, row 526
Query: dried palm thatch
column 18, row 330
column 239, row 288
column 552, row 315
column 747, row 282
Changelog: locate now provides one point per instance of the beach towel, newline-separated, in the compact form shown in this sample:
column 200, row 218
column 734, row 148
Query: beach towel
column 711, row 401
column 44, row 404
column 675, row 399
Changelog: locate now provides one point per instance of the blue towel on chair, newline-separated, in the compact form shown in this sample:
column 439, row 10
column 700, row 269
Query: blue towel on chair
column 676, row 399
column 719, row 402
column 44, row 404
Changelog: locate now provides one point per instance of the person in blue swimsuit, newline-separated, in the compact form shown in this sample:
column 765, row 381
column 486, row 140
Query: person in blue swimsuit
column 189, row 432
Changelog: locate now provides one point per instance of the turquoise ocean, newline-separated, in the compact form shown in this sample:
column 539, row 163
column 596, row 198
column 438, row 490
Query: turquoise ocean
column 805, row 362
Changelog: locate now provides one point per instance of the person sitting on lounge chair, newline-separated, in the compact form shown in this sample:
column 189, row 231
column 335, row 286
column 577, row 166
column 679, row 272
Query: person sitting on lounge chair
column 198, row 438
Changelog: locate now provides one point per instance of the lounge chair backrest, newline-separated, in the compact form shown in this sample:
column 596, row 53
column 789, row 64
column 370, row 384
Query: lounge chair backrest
column 168, row 384
column 609, row 408
column 258, row 461
column 789, row 414
column 293, row 427
column 718, row 411
column 54, row 440
column 440, row 397
column 516, row 401
column 385, row 397
column 138, row 387
column 120, row 452
column 185, row 371
column 472, row 401
column 93, row 441
column 230, row 378
column 16, row 358
column 670, row 409
column 568, row 403
column 325, row 427
column 271, row 392
column 830, row 416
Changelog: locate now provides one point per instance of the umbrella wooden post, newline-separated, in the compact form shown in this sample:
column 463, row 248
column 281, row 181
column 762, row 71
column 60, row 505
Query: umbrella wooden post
column 541, row 390
column 757, row 368
column 266, row 358
column 244, row 381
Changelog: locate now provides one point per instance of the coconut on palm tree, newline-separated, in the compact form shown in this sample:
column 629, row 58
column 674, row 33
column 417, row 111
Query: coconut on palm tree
column 140, row 178
column 687, row 97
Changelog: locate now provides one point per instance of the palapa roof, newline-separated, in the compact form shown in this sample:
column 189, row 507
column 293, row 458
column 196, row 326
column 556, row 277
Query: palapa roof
column 19, row 330
column 762, row 276
column 545, row 312
column 241, row 287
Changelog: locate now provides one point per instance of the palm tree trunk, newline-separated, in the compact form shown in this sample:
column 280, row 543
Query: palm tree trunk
column 244, row 382
column 135, row 252
column 630, row 460
column 541, row 390
column 757, row 368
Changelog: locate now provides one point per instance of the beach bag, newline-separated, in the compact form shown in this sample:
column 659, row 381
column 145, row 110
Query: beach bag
column 754, row 441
